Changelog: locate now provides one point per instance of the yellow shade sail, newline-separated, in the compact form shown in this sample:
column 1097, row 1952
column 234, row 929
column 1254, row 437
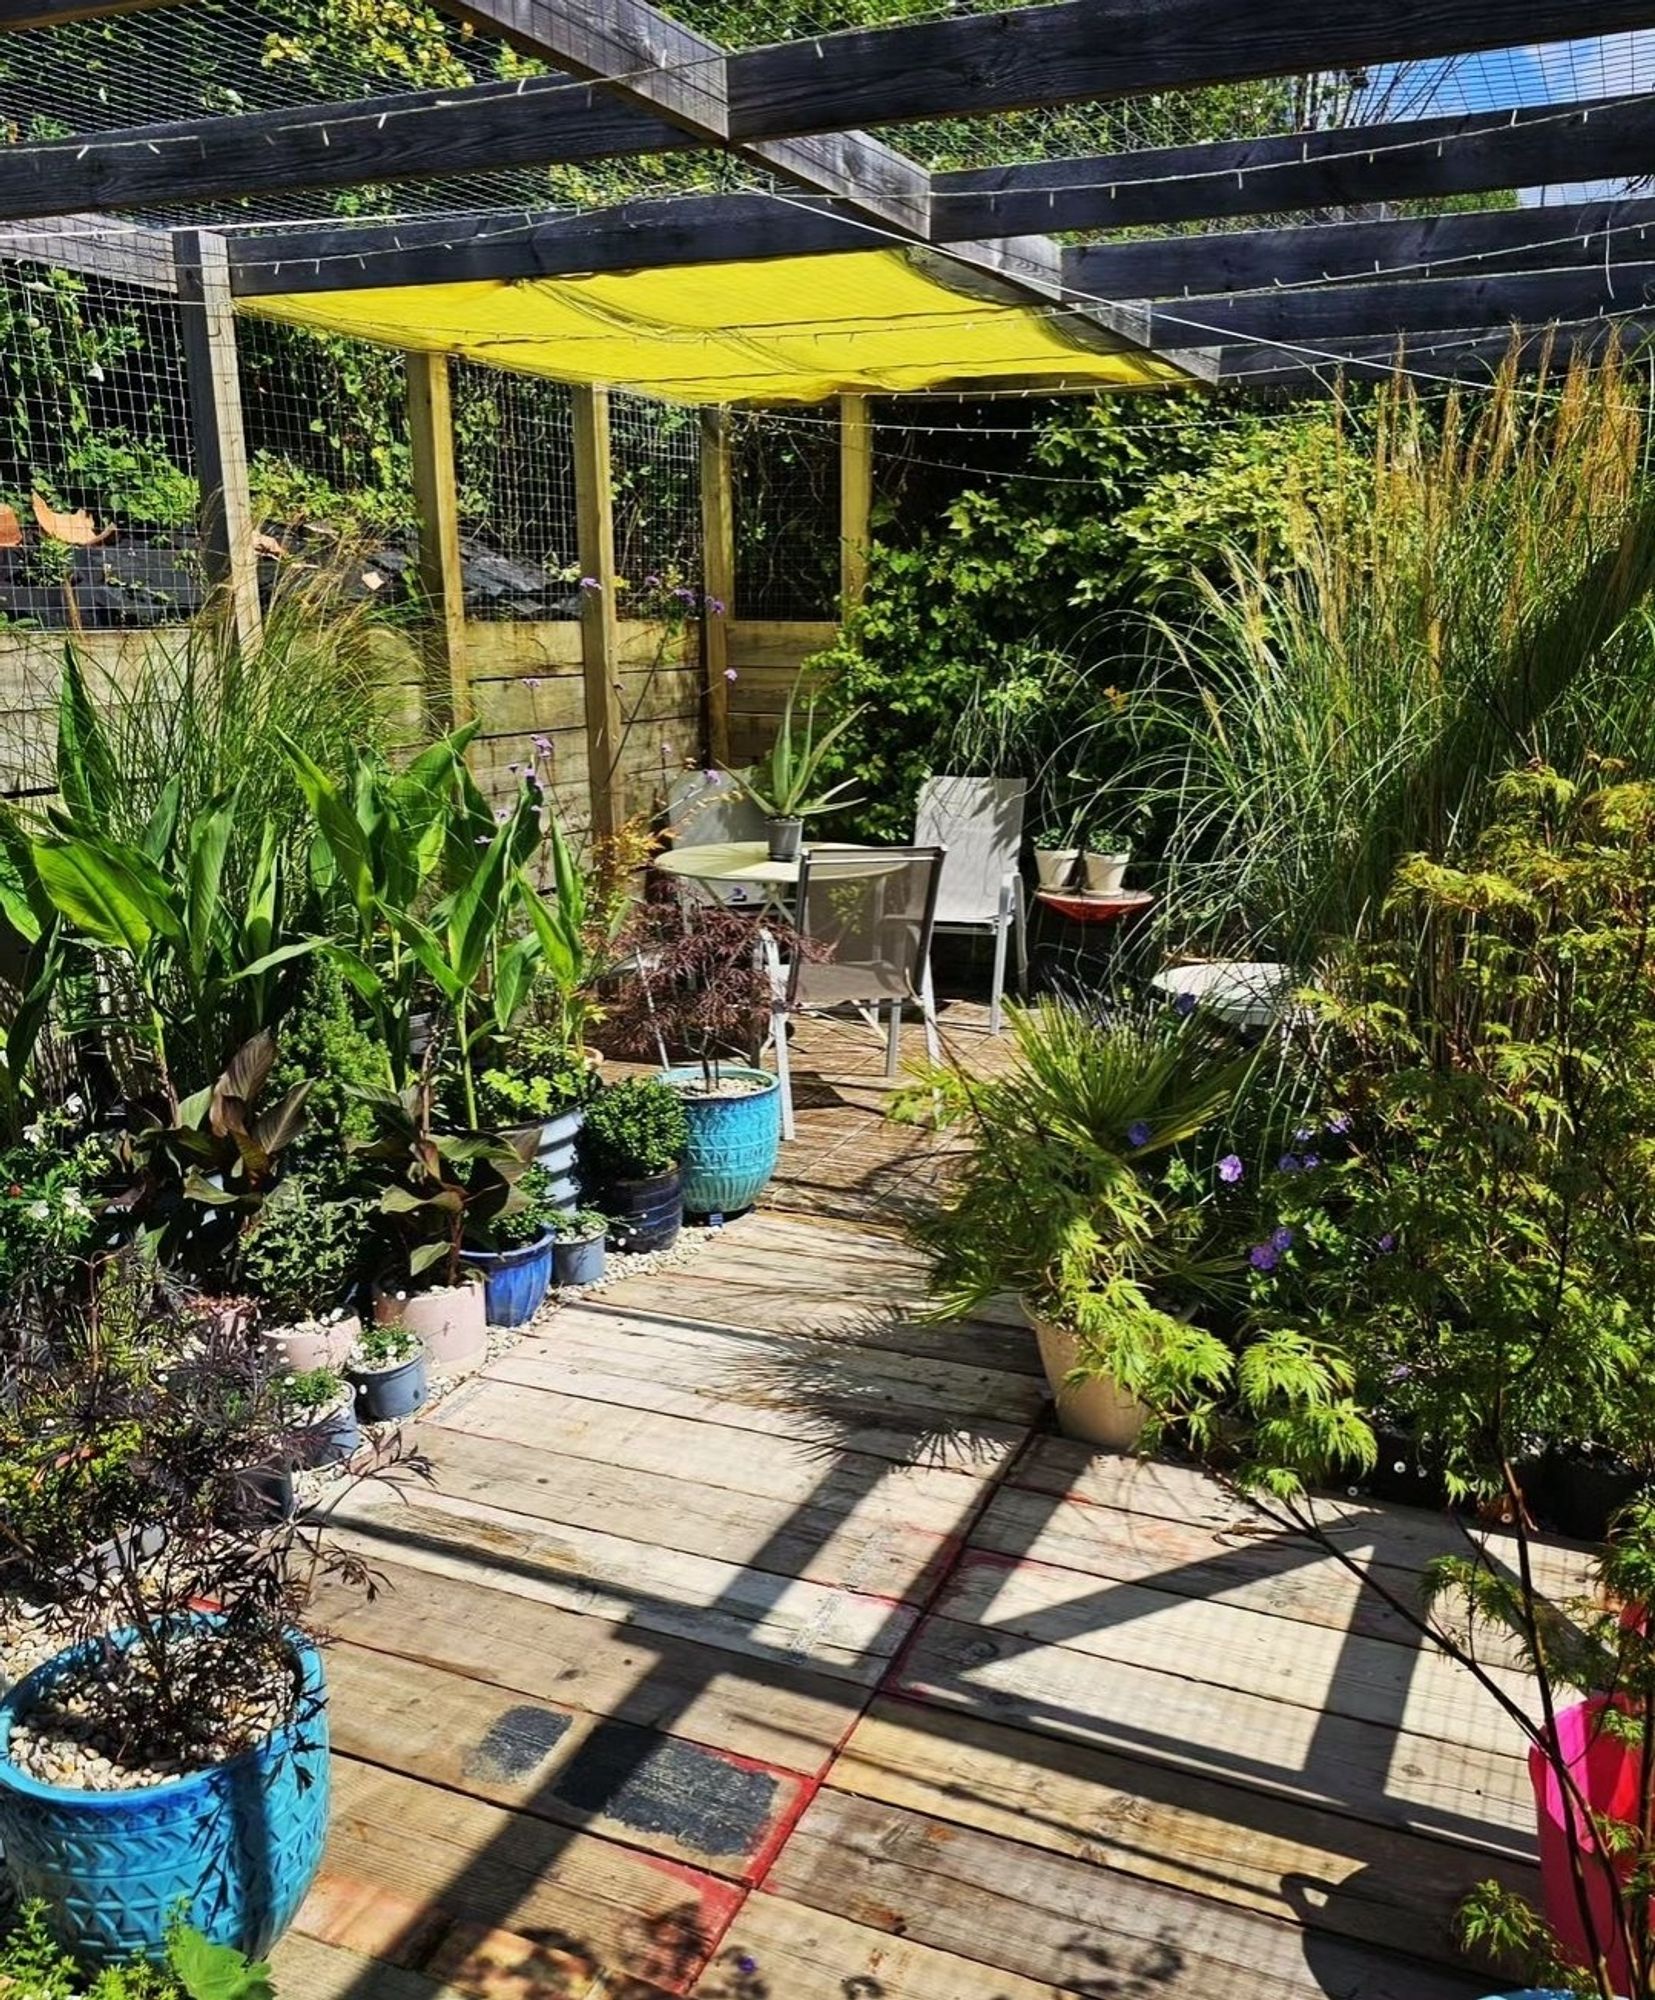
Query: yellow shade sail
column 791, row 329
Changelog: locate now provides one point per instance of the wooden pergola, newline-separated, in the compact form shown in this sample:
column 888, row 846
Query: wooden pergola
column 1276, row 304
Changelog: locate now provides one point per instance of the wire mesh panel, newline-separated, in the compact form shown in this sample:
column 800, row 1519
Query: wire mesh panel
column 784, row 475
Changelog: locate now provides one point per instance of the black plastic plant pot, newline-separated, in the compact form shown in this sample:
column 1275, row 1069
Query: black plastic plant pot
column 1585, row 1490
column 647, row 1214
column 786, row 838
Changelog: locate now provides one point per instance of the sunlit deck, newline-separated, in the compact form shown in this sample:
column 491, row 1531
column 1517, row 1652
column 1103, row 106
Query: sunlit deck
column 749, row 1641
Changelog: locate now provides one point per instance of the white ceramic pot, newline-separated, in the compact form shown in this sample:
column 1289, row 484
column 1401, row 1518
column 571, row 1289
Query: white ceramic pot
column 451, row 1321
column 1106, row 873
column 1095, row 1411
column 1055, row 866
column 312, row 1343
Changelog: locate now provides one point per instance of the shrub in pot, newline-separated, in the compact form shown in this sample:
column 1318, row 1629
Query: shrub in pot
column 170, row 1763
column 515, row 1257
column 702, row 992
column 1092, row 1188
column 389, row 1370
column 540, row 1080
column 321, row 1408
column 578, row 1237
column 631, row 1146
column 300, row 1258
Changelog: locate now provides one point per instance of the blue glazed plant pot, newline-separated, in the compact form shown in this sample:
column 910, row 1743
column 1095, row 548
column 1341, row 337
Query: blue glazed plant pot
column 234, row 1849
column 515, row 1282
column 385, row 1394
column 578, row 1263
column 733, row 1140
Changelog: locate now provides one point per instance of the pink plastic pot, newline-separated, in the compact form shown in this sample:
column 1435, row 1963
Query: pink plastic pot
column 1605, row 1772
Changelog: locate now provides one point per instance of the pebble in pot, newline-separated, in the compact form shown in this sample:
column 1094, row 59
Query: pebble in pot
column 390, row 1374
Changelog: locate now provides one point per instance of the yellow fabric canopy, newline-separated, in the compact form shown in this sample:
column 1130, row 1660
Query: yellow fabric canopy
column 790, row 329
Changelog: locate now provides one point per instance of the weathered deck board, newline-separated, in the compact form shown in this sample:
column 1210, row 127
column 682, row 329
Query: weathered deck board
column 862, row 1524
column 1064, row 1923
column 748, row 1641
column 791, row 1716
column 679, row 1799
column 1370, row 1883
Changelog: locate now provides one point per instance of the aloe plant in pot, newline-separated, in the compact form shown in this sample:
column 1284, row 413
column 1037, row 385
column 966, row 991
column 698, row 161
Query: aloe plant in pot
column 786, row 785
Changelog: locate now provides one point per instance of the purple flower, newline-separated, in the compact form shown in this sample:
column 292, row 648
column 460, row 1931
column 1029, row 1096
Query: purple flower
column 1262, row 1257
column 652, row 583
column 711, row 777
column 1137, row 1133
column 531, row 683
column 1290, row 1163
column 544, row 745
column 1230, row 1169
column 1281, row 1239
column 1185, row 1005
column 716, row 606
column 1386, row 1244
column 1339, row 1124
column 1302, row 1134
column 730, row 674
column 1311, row 1162
column 745, row 1964
column 502, row 814
column 590, row 583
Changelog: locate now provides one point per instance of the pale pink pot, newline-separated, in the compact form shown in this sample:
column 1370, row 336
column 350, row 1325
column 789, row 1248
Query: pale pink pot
column 312, row 1343
column 450, row 1320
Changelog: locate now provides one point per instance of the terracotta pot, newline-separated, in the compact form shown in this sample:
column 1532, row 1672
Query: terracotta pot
column 1106, row 873
column 312, row 1343
column 1054, row 867
column 451, row 1321
column 1097, row 1411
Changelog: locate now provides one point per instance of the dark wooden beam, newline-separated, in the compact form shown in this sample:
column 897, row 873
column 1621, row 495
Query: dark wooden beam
column 1479, row 153
column 16, row 14
column 441, row 250
column 1549, row 238
column 1465, row 356
column 98, row 246
column 972, row 63
column 527, row 123
column 1315, row 314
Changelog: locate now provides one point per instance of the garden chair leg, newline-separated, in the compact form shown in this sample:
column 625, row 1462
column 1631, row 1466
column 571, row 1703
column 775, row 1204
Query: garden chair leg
column 893, row 1042
column 784, row 1068
column 928, row 1012
column 1002, row 937
column 1020, row 918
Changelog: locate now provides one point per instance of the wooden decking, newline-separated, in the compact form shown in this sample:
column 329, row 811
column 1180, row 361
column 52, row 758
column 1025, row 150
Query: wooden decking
column 749, row 1643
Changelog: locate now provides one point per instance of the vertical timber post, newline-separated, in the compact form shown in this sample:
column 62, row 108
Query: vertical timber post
column 718, row 576
column 207, row 320
column 855, row 499
column 436, row 499
column 599, row 635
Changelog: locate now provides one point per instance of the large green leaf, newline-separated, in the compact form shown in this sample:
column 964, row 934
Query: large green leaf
column 86, row 774
column 203, row 882
column 340, row 829
column 103, row 897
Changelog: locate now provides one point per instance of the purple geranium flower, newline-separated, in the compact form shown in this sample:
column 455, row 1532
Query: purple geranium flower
column 1290, row 1163
column 590, row 583
column 1339, row 1124
column 1262, row 1257
column 1230, row 1169
column 730, row 674
column 1137, row 1133
column 531, row 683
column 544, row 745
column 1386, row 1244
column 1281, row 1239
column 1302, row 1134
column 1185, row 1004
column 1311, row 1162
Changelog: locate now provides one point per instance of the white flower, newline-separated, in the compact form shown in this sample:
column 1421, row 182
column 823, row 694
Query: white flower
column 74, row 1104
column 34, row 1133
column 38, row 1211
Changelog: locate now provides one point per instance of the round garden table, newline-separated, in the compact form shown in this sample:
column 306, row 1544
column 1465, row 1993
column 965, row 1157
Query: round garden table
column 748, row 862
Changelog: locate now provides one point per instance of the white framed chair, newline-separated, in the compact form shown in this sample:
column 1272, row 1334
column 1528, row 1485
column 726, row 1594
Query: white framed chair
column 867, row 914
column 706, row 809
column 980, row 822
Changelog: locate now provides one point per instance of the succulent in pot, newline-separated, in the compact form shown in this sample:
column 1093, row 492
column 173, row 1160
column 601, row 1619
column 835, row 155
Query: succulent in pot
column 390, row 1372
column 134, row 1762
column 578, row 1238
column 631, row 1148
column 787, row 785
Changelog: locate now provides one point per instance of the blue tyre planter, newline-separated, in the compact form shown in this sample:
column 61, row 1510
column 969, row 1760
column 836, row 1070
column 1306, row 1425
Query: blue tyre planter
column 556, row 1153
column 234, row 1848
column 515, row 1282
column 733, row 1140
column 645, row 1214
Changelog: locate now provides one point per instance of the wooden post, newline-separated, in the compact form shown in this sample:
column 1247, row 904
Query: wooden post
column 206, row 311
column 599, row 639
column 718, row 576
column 855, row 499
column 442, row 579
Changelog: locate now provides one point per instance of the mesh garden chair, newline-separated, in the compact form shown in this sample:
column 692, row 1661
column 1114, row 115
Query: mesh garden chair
column 866, row 914
column 980, row 822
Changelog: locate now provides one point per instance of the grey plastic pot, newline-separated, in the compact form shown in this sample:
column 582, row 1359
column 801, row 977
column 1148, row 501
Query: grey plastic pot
column 385, row 1394
column 578, row 1261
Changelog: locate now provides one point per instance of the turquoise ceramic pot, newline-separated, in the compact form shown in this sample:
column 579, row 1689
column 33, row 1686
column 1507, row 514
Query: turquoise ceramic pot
column 233, row 1848
column 734, row 1141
